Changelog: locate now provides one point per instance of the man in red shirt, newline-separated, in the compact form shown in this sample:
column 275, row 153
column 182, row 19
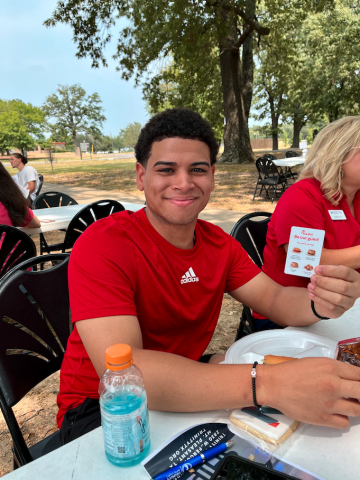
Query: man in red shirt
column 155, row 280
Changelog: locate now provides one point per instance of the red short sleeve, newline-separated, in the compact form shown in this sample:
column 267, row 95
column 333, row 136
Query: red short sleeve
column 29, row 217
column 301, row 206
column 98, row 285
column 242, row 268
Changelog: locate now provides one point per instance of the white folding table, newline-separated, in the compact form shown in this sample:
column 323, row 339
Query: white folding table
column 289, row 162
column 331, row 454
column 58, row 218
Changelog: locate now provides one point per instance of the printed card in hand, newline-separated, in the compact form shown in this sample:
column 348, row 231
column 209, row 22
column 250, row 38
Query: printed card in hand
column 304, row 251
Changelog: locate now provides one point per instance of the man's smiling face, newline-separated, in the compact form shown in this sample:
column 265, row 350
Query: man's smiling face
column 177, row 181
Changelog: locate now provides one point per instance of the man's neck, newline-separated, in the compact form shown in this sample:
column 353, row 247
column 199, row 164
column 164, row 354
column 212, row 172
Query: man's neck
column 20, row 166
column 180, row 236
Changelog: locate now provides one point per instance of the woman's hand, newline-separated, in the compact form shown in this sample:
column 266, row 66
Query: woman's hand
column 334, row 289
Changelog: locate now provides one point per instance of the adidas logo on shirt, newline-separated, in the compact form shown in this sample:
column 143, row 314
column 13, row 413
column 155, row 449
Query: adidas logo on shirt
column 189, row 277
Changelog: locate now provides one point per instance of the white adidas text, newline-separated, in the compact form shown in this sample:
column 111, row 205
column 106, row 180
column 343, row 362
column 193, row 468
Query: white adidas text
column 189, row 276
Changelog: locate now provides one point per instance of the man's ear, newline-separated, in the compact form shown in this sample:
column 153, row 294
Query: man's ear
column 140, row 174
column 213, row 177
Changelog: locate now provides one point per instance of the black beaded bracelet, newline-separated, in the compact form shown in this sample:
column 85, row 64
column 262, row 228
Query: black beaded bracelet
column 315, row 313
column 253, row 377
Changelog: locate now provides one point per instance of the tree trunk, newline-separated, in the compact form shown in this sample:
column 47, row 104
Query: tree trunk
column 248, row 63
column 296, row 135
column 275, row 139
column 237, row 146
column 75, row 142
column 274, row 123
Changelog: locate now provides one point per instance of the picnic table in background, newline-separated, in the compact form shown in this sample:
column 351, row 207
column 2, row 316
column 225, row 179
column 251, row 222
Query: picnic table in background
column 58, row 218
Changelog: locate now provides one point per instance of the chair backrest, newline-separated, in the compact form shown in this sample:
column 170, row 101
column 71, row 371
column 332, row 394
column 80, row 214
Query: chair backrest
column 53, row 199
column 15, row 247
column 41, row 181
column 34, row 325
column 270, row 156
column 252, row 234
column 290, row 154
column 88, row 215
column 266, row 167
column 34, row 329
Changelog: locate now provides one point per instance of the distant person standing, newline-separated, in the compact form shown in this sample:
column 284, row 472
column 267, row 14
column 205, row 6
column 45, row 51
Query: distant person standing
column 13, row 206
column 27, row 178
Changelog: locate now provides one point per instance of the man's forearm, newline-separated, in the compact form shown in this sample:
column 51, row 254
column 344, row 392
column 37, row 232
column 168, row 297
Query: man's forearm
column 291, row 306
column 31, row 187
column 177, row 384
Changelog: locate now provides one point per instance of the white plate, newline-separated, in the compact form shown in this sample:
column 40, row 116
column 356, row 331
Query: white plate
column 280, row 342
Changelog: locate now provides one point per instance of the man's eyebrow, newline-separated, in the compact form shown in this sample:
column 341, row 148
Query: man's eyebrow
column 170, row 164
column 200, row 163
column 174, row 164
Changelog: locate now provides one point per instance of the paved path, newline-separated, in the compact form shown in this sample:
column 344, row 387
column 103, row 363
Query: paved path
column 224, row 218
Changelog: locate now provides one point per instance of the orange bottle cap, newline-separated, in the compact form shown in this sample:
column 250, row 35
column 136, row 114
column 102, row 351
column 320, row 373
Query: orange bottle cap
column 118, row 357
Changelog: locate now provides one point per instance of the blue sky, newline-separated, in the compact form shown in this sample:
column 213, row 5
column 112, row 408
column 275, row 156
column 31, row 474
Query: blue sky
column 35, row 59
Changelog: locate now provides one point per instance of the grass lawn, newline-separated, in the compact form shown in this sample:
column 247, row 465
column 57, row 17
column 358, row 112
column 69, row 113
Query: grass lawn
column 234, row 184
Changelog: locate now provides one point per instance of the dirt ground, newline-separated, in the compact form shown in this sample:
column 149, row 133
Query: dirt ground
column 234, row 190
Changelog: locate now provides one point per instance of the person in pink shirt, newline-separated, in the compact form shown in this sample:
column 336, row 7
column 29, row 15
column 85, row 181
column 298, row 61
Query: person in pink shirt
column 14, row 208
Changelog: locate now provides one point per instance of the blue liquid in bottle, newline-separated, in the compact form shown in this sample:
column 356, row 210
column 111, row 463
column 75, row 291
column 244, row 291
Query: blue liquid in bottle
column 124, row 416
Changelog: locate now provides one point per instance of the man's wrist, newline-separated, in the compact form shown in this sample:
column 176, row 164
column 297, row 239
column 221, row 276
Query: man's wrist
column 264, row 385
column 317, row 311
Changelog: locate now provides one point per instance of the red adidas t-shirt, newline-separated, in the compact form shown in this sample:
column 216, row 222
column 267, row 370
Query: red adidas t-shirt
column 122, row 266
column 304, row 205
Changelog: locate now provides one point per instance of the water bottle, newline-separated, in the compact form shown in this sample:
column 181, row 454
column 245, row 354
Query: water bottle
column 123, row 406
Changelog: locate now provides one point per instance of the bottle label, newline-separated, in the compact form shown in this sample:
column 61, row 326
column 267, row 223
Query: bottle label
column 126, row 435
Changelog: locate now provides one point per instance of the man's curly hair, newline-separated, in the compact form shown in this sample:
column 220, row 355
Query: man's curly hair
column 172, row 123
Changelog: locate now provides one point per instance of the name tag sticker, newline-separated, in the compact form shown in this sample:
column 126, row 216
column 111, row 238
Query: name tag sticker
column 304, row 252
column 337, row 215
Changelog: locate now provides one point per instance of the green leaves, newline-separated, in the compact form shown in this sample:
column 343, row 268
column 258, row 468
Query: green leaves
column 130, row 134
column 71, row 109
column 20, row 124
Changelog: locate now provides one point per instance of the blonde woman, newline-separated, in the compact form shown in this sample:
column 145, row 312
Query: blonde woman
column 329, row 181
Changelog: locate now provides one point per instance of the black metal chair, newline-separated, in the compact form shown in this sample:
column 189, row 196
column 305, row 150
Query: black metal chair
column 15, row 247
column 34, row 328
column 290, row 154
column 83, row 219
column 252, row 236
column 290, row 174
column 269, row 178
column 52, row 200
column 270, row 156
column 41, row 178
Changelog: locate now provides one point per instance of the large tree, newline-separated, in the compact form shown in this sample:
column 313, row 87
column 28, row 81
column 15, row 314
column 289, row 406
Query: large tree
column 71, row 110
column 21, row 125
column 188, row 30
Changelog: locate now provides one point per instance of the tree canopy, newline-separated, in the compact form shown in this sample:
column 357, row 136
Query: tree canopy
column 21, row 125
column 195, row 34
column 71, row 110
column 130, row 134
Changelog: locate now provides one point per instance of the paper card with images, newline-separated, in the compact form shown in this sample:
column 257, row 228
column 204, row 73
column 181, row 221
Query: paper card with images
column 304, row 251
